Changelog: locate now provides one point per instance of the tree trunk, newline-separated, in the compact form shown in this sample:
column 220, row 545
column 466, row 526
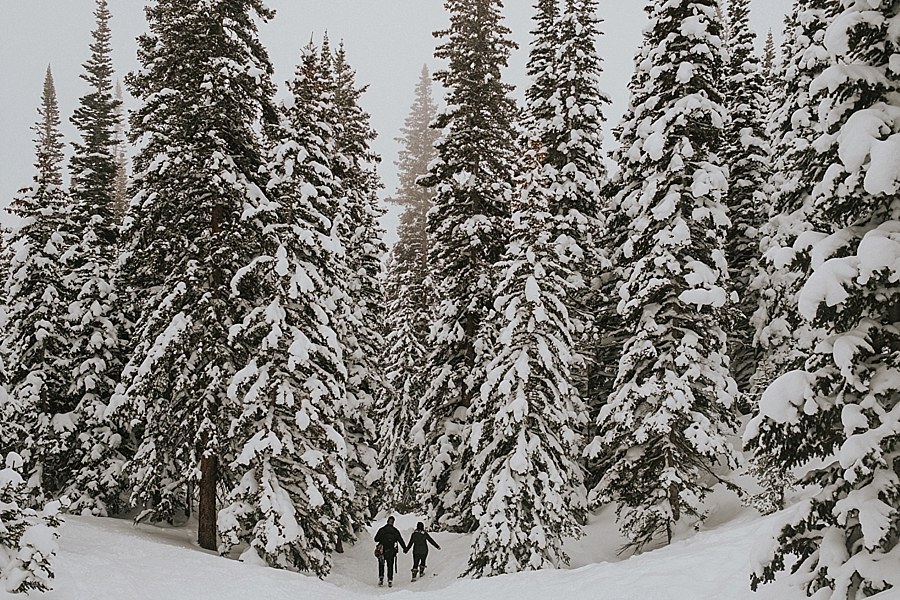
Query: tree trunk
column 207, row 534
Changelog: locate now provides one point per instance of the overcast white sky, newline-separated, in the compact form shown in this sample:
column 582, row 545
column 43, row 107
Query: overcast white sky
column 387, row 42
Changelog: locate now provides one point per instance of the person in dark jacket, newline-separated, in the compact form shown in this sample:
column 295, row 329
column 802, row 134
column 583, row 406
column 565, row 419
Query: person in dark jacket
column 388, row 539
column 419, row 541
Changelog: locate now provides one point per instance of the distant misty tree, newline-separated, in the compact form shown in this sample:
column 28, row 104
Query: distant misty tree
column 35, row 344
column 473, row 180
column 49, row 144
column 665, row 427
column 407, row 293
column 769, row 58
column 205, row 94
column 95, row 318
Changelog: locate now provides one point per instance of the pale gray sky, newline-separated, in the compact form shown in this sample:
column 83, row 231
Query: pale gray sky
column 387, row 42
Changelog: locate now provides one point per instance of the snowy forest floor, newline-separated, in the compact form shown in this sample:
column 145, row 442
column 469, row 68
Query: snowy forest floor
column 111, row 559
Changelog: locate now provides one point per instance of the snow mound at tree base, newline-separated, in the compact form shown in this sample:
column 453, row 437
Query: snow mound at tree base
column 110, row 559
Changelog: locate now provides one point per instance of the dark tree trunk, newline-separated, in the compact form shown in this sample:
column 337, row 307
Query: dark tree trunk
column 207, row 533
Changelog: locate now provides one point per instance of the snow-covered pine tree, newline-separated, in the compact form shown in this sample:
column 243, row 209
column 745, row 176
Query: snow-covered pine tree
column 27, row 538
column 297, row 499
column 204, row 90
column 408, row 298
column 473, row 180
column 354, row 167
column 666, row 423
column 608, row 323
column 35, row 341
column 94, row 317
column 842, row 408
column 403, row 357
column 527, row 487
column 786, row 339
column 564, row 110
column 746, row 151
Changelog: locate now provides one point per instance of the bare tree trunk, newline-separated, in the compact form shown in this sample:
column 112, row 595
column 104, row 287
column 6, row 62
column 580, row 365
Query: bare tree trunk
column 207, row 533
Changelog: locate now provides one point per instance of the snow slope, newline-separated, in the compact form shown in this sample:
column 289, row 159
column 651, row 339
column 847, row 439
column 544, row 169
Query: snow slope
column 110, row 559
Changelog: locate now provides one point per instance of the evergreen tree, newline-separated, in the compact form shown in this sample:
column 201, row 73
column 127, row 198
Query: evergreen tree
column 49, row 139
column 407, row 294
column 564, row 115
column 204, row 90
column 473, row 180
column 666, row 423
column 27, row 538
column 842, row 408
column 769, row 58
column 362, row 237
column 612, row 263
column 527, row 490
column 746, row 152
column 296, row 501
column 93, row 165
column 786, row 339
column 403, row 357
column 94, row 316
column 35, row 342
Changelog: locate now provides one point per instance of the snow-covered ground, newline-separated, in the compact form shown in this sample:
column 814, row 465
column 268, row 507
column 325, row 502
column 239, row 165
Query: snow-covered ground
column 111, row 559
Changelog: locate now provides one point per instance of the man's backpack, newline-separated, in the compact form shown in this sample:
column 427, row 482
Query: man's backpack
column 379, row 550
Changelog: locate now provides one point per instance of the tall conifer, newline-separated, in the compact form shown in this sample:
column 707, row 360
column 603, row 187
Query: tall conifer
column 841, row 408
column 35, row 344
column 49, row 143
column 120, row 197
column 784, row 338
column 747, row 152
column 564, row 114
column 95, row 318
column 666, row 423
column 204, row 90
column 298, row 499
column 354, row 167
column 473, row 180
column 93, row 165
column 525, row 480
column 407, row 293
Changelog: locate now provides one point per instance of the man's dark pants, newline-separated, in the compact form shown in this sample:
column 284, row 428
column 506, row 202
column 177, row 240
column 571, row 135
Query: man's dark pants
column 391, row 560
